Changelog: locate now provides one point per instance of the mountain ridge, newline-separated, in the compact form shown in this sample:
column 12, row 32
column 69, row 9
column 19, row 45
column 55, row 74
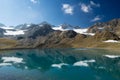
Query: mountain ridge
column 45, row 36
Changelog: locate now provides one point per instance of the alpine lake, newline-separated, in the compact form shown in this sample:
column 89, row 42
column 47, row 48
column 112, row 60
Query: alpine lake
column 60, row 64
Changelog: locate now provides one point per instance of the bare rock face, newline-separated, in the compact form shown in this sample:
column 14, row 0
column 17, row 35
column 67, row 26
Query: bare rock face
column 37, row 30
column 112, row 26
column 106, row 35
column 68, row 34
column 2, row 32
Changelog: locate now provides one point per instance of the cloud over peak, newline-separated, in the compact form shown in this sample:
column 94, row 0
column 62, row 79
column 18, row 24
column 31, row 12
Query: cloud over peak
column 67, row 8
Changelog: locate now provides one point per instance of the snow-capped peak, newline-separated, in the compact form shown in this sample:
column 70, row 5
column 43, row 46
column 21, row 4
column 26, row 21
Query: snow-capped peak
column 65, row 27
column 22, row 26
column 7, row 27
column 9, row 30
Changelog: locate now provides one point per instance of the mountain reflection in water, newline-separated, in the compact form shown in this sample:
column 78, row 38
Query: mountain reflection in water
column 59, row 64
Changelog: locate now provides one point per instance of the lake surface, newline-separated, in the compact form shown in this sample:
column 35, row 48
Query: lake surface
column 59, row 64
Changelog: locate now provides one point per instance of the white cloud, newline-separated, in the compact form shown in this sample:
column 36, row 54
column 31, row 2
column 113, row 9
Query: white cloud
column 94, row 4
column 85, row 8
column 97, row 18
column 34, row 1
column 88, row 7
column 67, row 8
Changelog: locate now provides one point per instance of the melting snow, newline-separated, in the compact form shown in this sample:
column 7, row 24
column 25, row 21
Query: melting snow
column 112, row 41
column 28, row 25
column 59, row 65
column 83, row 63
column 112, row 56
column 12, row 59
column 91, row 34
column 59, row 28
column 81, row 31
column 6, row 27
column 16, row 32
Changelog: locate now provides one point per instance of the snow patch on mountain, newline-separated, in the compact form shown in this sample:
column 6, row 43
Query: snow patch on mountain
column 111, row 41
column 59, row 28
column 5, row 27
column 81, row 31
column 14, row 32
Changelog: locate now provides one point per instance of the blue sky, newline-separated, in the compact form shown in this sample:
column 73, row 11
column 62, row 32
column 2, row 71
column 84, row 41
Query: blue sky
column 75, row 12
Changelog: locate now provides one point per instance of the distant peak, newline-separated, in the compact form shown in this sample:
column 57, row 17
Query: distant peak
column 44, row 22
column 1, row 25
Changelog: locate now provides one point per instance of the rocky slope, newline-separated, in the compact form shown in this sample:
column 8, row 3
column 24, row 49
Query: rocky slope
column 112, row 26
column 45, row 36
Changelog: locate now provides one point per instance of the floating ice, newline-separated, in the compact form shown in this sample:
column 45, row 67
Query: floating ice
column 59, row 65
column 112, row 56
column 5, row 64
column 80, row 63
column 83, row 63
column 12, row 59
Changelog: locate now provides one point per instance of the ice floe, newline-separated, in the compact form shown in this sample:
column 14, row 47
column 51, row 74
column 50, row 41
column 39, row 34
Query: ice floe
column 59, row 65
column 83, row 63
column 12, row 59
column 80, row 63
column 5, row 64
column 112, row 56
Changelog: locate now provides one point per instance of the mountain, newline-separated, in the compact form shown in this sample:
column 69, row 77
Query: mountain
column 68, row 26
column 22, row 26
column 45, row 35
column 106, row 35
column 2, row 25
column 65, row 27
column 112, row 26
column 38, row 30
column 2, row 31
column 45, row 23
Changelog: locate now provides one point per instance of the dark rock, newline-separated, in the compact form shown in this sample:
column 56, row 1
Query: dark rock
column 68, row 34
column 106, row 35
column 37, row 30
column 2, row 31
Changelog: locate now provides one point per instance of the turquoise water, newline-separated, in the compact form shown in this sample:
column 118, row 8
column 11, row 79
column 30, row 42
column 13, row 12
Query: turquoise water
column 59, row 64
